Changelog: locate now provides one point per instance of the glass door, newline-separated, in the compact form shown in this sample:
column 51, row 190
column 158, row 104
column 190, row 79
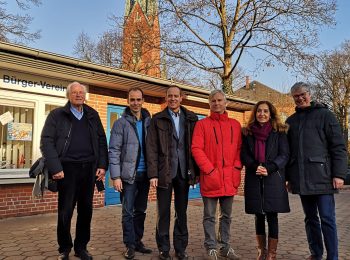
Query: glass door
column 194, row 191
column 113, row 113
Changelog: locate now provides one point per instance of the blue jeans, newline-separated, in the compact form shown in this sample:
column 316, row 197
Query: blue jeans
column 209, row 215
column 316, row 208
column 134, row 201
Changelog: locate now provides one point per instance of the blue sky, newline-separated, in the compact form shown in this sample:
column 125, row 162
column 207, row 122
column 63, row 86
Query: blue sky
column 61, row 21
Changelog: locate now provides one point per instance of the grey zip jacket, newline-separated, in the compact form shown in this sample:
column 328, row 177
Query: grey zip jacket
column 124, row 146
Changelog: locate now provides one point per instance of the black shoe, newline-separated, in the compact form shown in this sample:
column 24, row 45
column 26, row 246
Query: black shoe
column 164, row 255
column 142, row 249
column 83, row 255
column 63, row 256
column 181, row 255
column 129, row 253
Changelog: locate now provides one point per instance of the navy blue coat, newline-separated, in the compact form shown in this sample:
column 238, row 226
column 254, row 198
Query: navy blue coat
column 267, row 193
column 56, row 137
column 318, row 152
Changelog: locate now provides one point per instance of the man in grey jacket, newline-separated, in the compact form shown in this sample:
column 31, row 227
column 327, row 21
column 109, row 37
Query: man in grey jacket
column 128, row 170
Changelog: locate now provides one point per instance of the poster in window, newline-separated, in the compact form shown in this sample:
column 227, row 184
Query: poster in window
column 19, row 132
column 6, row 118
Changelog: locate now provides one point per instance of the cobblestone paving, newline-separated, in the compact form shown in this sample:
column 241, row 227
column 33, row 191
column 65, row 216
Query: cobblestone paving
column 34, row 237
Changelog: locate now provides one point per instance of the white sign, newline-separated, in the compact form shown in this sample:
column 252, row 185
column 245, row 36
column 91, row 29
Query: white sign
column 35, row 84
column 6, row 118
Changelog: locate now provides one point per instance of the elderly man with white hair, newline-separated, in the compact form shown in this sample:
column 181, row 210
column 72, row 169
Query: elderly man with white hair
column 74, row 145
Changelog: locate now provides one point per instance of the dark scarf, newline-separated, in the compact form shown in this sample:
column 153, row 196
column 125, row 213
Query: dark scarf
column 260, row 132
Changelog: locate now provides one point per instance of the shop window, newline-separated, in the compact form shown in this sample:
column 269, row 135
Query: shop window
column 49, row 108
column 16, row 138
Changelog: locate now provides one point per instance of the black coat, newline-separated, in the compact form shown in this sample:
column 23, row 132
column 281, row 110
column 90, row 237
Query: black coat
column 158, row 146
column 55, row 137
column 268, row 193
column 318, row 152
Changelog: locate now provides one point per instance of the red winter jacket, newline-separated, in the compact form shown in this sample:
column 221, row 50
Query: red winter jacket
column 216, row 146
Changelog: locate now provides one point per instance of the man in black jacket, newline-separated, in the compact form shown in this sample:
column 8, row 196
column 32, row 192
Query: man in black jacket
column 170, row 167
column 73, row 143
column 317, row 168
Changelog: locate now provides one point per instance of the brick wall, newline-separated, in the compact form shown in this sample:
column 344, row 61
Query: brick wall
column 16, row 200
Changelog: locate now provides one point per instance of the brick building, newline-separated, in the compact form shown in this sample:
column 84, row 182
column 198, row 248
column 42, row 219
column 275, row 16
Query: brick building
column 32, row 83
column 257, row 91
column 141, row 37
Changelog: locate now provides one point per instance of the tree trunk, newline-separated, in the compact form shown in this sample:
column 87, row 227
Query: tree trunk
column 227, row 85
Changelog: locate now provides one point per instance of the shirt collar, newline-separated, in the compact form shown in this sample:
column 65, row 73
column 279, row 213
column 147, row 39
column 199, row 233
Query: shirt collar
column 174, row 114
column 76, row 112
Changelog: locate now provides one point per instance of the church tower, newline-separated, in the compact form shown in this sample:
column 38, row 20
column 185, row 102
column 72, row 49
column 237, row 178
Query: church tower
column 141, row 37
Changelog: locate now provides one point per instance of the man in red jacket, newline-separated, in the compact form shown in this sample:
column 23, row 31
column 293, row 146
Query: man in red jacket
column 216, row 145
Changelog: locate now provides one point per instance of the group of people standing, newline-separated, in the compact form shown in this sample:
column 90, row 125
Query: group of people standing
column 173, row 150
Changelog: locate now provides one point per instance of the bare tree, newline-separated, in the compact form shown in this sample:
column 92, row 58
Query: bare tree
column 25, row 4
column 213, row 35
column 15, row 27
column 84, row 47
column 181, row 71
column 109, row 49
column 330, row 72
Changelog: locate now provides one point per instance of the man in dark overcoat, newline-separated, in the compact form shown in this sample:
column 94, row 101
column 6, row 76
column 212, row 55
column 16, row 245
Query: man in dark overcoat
column 170, row 167
column 74, row 145
column 317, row 168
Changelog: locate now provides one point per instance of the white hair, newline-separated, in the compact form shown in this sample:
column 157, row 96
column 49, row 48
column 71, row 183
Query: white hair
column 68, row 90
column 214, row 92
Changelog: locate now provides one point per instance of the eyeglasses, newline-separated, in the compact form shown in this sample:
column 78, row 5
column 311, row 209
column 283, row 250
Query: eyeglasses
column 301, row 95
column 80, row 93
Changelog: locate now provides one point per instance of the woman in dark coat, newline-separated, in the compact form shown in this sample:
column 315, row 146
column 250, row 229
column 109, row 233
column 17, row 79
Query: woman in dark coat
column 265, row 153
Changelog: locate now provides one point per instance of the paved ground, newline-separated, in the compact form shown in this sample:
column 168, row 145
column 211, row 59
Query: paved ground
column 35, row 237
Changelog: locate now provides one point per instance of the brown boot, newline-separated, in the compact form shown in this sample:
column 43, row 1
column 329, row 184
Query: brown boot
column 261, row 239
column 272, row 249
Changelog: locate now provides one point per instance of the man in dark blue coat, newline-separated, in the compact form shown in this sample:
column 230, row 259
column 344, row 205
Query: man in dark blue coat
column 74, row 145
column 317, row 168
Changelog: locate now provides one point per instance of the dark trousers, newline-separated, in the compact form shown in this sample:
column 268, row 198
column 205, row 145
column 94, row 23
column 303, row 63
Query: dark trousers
column 134, row 201
column 272, row 221
column 180, row 233
column 319, row 213
column 77, row 187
